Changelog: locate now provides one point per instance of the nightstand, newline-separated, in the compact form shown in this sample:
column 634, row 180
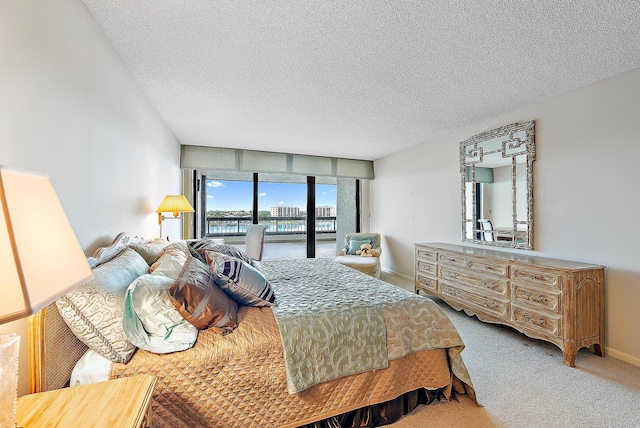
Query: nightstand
column 123, row 402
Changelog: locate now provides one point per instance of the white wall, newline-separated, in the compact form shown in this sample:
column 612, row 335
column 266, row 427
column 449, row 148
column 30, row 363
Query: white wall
column 71, row 109
column 587, row 207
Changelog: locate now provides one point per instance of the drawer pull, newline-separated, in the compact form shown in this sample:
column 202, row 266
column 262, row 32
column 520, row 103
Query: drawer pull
column 539, row 322
column 539, row 299
column 491, row 286
column 493, row 305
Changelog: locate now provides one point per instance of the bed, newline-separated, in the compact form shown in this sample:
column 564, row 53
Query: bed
column 312, row 358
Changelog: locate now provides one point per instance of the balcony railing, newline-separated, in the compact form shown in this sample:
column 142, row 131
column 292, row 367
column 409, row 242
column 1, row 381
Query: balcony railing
column 237, row 226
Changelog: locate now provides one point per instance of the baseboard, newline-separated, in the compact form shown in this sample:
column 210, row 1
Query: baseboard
column 622, row 356
column 392, row 272
column 402, row 280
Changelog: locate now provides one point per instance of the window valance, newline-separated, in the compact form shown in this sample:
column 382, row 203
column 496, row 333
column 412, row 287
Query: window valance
column 224, row 159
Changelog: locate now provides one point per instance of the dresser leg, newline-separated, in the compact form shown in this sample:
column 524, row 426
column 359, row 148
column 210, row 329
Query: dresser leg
column 570, row 357
column 597, row 349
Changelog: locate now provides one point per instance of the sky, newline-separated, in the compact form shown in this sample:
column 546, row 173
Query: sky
column 236, row 195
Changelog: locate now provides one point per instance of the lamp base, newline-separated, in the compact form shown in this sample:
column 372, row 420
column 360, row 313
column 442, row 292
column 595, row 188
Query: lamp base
column 9, row 351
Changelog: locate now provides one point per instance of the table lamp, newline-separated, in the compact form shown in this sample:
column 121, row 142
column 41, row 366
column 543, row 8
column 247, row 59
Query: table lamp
column 173, row 204
column 40, row 260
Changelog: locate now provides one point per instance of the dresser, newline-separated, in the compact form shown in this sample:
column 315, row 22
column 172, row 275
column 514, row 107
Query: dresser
column 554, row 300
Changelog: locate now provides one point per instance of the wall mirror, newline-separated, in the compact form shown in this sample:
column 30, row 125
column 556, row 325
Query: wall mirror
column 496, row 169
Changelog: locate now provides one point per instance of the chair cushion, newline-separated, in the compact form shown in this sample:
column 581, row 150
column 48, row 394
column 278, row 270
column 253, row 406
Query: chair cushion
column 368, row 265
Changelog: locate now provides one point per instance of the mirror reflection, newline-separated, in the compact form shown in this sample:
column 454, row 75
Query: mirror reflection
column 497, row 186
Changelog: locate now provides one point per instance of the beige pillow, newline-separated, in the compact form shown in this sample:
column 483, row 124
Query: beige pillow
column 172, row 260
column 93, row 311
column 150, row 250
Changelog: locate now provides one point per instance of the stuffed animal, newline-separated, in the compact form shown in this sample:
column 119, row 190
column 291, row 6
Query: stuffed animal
column 365, row 250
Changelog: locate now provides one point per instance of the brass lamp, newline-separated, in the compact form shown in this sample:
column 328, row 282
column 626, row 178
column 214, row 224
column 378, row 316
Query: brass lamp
column 173, row 204
column 40, row 260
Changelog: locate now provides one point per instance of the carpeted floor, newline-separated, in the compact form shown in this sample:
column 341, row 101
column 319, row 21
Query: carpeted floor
column 522, row 382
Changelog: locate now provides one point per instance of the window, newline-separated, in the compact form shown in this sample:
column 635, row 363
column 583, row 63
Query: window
column 281, row 201
column 228, row 209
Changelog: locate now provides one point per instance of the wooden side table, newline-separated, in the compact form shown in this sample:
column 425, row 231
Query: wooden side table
column 121, row 402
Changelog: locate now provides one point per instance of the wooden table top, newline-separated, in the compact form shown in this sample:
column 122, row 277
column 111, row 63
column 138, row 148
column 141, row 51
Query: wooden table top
column 116, row 403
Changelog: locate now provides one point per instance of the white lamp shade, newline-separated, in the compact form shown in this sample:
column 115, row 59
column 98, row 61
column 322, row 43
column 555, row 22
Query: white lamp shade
column 40, row 257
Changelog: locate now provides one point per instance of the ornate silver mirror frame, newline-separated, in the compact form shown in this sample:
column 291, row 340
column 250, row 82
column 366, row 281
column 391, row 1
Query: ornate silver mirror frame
column 496, row 169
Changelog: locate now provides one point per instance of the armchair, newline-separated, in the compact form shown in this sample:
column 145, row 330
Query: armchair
column 254, row 241
column 348, row 257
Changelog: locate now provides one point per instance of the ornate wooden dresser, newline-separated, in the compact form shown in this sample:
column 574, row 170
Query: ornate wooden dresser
column 554, row 300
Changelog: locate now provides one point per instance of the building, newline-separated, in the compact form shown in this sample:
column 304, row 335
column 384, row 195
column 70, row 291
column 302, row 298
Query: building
column 326, row 211
column 284, row 211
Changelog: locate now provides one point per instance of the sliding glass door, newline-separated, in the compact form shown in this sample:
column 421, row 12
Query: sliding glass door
column 299, row 211
column 326, row 219
column 282, row 207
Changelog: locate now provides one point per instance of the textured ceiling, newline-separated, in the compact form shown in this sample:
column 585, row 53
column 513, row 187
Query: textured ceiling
column 359, row 78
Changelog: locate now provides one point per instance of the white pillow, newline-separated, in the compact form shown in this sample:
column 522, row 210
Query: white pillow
column 91, row 368
column 150, row 319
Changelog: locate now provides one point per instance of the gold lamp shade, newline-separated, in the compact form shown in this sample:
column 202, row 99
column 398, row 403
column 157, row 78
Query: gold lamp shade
column 175, row 204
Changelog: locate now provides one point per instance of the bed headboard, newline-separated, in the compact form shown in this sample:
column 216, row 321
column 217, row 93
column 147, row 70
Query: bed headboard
column 53, row 347
column 53, row 350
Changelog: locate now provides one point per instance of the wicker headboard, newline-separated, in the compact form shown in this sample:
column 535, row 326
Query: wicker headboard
column 53, row 347
column 53, row 350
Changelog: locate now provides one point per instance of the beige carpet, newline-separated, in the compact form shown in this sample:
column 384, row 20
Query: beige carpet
column 522, row 382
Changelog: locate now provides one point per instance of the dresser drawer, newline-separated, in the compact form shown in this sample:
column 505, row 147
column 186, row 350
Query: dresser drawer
column 425, row 267
column 538, row 322
column 426, row 254
column 426, row 283
column 472, row 264
column 485, row 284
column 489, row 305
column 536, row 298
column 535, row 277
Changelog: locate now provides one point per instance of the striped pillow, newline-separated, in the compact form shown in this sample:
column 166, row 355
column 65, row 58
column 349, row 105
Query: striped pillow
column 201, row 246
column 241, row 281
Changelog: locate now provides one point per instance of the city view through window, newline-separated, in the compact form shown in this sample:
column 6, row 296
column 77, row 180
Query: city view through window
column 282, row 206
